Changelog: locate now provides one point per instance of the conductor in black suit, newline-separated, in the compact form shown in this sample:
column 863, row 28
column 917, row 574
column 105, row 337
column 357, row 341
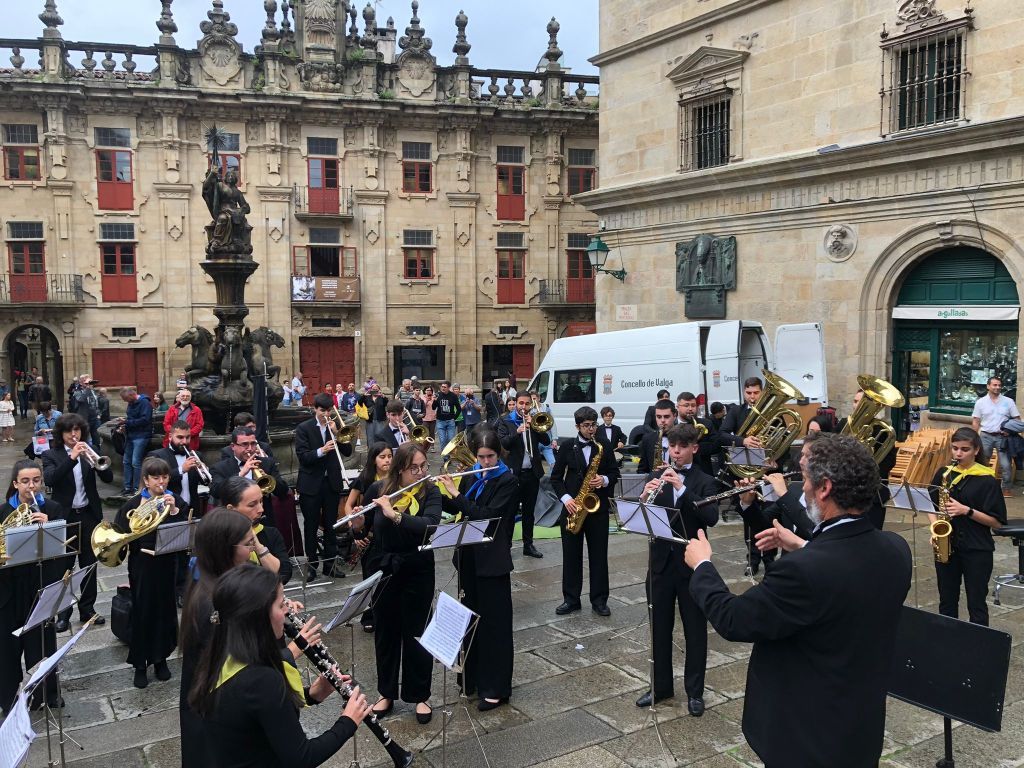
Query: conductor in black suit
column 525, row 456
column 72, row 483
column 245, row 458
column 571, row 467
column 319, row 482
column 823, row 622
column 668, row 580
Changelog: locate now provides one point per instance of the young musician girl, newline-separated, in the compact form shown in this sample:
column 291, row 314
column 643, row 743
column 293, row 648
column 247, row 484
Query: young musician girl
column 378, row 462
column 484, row 568
column 247, row 696
column 403, row 606
column 975, row 507
column 223, row 539
column 18, row 587
column 245, row 496
column 152, row 578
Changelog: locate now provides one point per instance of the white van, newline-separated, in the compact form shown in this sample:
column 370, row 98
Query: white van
column 625, row 369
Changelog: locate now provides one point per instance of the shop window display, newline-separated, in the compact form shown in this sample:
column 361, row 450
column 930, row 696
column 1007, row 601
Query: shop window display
column 968, row 358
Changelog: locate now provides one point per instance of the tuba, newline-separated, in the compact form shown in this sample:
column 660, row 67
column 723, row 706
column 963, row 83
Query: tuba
column 110, row 545
column 942, row 529
column 19, row 518
column 457, row 452
column 772, row 422
column 877, row 436
column 587, row 502
column 540, row 420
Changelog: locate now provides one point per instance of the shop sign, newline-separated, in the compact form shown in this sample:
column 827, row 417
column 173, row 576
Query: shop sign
column 953, row 312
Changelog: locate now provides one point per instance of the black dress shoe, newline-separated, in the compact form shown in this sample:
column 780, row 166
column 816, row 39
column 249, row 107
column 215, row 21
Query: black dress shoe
column 140, row 680
column 602, row 609
column 486, row 706
column 98, row 622
column 368, row 628
column 696, row 707
column 62, row 625
column 424, row 718
column 385, row 711
column 531, row 551
column 310, row 573
column 37, row 704
column 162, row 671
column 645, row 701
column 567, row 607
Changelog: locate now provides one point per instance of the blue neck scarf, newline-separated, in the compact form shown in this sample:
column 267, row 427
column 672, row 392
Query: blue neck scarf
column 14, row 501
column 478, row 487
column 515, row 418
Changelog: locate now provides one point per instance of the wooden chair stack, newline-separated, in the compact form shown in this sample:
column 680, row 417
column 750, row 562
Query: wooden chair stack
column 920, row 456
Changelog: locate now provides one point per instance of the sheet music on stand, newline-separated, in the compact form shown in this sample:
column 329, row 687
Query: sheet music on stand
column 39, row 541
column 358, row 600
column 54, row 598
column 47, row 665
column 746, row 457
column 916, row 498
column 446, row 630
column 460, row 534
column 16, row 734
column 647, row 519
column 173, row 537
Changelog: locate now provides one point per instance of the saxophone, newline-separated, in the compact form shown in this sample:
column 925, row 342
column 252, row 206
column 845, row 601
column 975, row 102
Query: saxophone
column 656, row 461
column 587, row 502
column 942, row 529
column 19, row 518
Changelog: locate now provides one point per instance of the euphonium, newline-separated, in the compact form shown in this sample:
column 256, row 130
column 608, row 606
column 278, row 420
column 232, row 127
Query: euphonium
column 769, row 420
column 20, row 517
column 877, row 436
column 457, row 452
column 540, row 420
column 587, row 502
column 110, row 545
column 942, row 529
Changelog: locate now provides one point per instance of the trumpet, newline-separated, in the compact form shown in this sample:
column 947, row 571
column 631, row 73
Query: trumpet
column 264, row 479
column 93, row 459
column 406, row 489
column 201, row 468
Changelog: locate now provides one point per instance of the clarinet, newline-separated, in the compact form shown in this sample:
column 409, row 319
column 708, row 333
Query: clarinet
column 325, row 663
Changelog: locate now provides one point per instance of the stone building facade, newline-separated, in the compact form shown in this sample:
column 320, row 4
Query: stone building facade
column 868, row 159
column 408, row 218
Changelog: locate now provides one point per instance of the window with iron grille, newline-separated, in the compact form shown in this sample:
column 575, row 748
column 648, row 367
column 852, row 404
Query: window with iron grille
column 417, row 237
column 510, row 240
column 417, row 169
column 706, row 131
column 117, row 231
column 582, row 170
column 321, row 146
column 113, row 137
column 418, row 254
column 924, row 79
column 508, row 330
column 123, row 332
column 25, row 230
column 325, row 235
column 21, row 153
column 510, row 155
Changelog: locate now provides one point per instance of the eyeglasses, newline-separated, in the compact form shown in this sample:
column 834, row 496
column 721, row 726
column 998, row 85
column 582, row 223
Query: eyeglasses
column 418, row 469
column 588, row 425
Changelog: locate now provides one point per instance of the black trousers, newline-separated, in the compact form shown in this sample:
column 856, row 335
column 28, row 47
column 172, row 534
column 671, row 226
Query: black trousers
column 529, row 485
column 974, row 569
column 489, row 662
column 87, row 524
column 666, row 591
column 400, row 616
column 595, row 532
column 23, row 582
column 320, row 509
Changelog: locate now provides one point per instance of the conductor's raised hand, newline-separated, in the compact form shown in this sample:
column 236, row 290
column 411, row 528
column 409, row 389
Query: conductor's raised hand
column 698, row 550
column 777, row 536
column 356, row 709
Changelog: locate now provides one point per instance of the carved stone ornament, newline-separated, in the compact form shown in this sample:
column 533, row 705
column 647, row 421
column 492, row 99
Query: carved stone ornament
column 221, row 54
column 918, row 12
column 417, row 73
column 840, row 242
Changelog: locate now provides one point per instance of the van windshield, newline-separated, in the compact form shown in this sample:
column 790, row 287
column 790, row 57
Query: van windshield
column 540, row 385
column 575, row 386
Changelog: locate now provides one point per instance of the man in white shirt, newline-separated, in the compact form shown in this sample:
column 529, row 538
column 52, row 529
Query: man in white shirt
column 990, row 413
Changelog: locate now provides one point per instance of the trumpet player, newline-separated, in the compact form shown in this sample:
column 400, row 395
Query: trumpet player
column 975, row 506
column 246, row 459
column 18, row 587
column 70, row 469
column 394, row 431
column 319, row 483
column 686, row 413
column 246, row 419
column 678, row 486
column 525, row 448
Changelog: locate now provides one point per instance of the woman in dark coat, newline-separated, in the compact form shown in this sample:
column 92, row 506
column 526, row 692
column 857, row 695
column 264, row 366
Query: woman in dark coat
column 151, row 578
column 378, row 462
column 484, row 569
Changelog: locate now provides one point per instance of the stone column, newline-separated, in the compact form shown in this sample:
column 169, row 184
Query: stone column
column 464, row 323
column 370, row 216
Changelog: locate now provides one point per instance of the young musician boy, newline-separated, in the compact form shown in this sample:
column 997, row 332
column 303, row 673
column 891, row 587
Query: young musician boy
column 572, row 465
column 668, row 580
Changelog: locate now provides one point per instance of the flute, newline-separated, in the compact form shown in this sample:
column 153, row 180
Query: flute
column 400, row 491
column 756, row 488
column 325, row 664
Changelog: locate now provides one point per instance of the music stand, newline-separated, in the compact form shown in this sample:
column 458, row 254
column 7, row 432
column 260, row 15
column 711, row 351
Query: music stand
column 971, row 690
column 654, row 522
column 916, row 498
column 172, row 537
column 461, row 534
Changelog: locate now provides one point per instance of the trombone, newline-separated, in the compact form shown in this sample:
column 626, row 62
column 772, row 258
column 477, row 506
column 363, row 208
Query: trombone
column 347, row 431
column 417, row 432
column 406, row 489
column 93, row 459
column 540, row 420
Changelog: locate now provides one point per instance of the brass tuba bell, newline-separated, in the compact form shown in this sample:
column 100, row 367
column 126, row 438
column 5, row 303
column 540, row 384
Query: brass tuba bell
column 772, row 422
column 877, row 436
column 457, row 454
column 111, row 545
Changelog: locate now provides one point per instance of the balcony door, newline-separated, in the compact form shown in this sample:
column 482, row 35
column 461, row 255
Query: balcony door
column 28, row 272
column 579, row 283
column 323, row 185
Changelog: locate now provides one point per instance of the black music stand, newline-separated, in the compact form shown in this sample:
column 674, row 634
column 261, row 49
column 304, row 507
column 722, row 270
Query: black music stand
column 654, row 522
column 916, row 498
column 173, row 537
column 971, row 690
column 461, row 534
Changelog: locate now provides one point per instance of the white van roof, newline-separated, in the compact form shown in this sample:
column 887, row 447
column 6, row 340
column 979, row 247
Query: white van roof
column 656, row 337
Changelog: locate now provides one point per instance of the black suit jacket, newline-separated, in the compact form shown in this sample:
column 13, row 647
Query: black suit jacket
column 386, row 436
column 571, row 467
column 691, row 518
column 499, row 498
column 731, row 424
column 228, row 468
column 59, row 476
column 823, row 624
column 513, row 444
column 174, row 485
column 399, row 544
column 787, row 509
column 313, row 468
column 617, row 434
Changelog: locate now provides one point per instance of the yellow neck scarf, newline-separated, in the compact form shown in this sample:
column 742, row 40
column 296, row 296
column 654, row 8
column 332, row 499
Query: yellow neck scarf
column 291, row 674
column 975, row 470
column 407, row 502
column 255, row 532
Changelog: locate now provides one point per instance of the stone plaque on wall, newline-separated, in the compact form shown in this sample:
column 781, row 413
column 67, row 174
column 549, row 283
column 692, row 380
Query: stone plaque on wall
column 705, row 271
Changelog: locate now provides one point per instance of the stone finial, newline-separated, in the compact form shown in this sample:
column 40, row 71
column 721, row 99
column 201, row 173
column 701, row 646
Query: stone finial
column 219, row 21
column 462, row 46
column 391, row 22
column 51, row 19
column 286, row 24
column 414, row 39
column 353, row 27
column 166, row 23
column 553, row 53
column 369, row 41
column 270, row 32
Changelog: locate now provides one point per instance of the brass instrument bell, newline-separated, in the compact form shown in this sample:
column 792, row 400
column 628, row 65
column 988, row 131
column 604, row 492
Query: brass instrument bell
column 877, row 436
column 772, row 422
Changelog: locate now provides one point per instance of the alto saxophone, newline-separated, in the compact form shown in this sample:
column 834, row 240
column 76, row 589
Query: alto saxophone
column 942, row 529
column 657, row 462
column 587, row 502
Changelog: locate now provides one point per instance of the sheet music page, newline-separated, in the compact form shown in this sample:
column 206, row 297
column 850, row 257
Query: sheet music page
column 443, row 636
column 16, row 734
column 173, row 537
column 358, row 600
column 633, row 520
column 49, row 664
column 448, row 535
column 910, row 497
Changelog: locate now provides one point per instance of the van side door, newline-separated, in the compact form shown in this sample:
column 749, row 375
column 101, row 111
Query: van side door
column 800, row 359
column 722, row 362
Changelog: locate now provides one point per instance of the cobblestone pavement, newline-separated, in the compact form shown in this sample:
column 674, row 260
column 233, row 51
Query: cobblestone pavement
column 575, row 682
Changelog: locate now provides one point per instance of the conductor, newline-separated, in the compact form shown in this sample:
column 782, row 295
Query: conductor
column 823, row 622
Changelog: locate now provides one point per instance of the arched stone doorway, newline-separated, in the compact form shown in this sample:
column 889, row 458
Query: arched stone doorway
column 35, row 346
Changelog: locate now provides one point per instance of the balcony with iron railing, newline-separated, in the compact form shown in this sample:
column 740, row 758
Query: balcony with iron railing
column 19, row 290
column 570, row 292
column 320, row 204
column 320, row 291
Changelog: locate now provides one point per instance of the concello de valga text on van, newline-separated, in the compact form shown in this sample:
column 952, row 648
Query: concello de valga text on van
column 645, row 383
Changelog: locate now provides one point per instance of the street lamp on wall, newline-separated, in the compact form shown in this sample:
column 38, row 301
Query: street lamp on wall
column 597, row 253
